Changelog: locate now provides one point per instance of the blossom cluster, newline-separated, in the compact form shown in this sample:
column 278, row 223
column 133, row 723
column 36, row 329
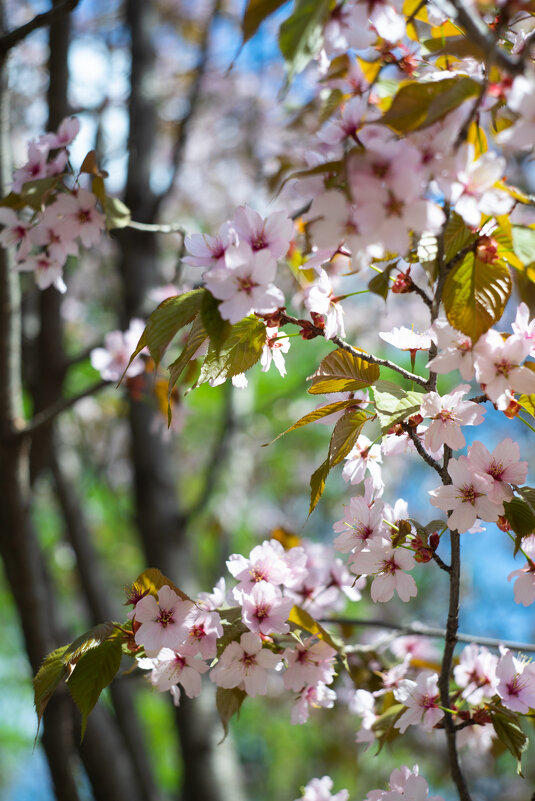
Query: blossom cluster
column 404, row 783
column 65, row 217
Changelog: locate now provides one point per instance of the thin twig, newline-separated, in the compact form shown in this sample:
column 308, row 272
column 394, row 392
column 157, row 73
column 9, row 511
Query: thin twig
column 45, row 417
column 423, row 294
column 12, row 38
column 423, row 453
column 366, row 357
column 422, row 630
column 157, row 229
column 441, row 563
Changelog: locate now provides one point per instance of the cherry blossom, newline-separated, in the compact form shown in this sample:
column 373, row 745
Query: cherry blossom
column 320, row 790
column 421, row 697
column 448, row 413
column 112, row 360
column 80, row 217
column 315, row 697
column 407, row 339
column 265, row 610
column 516, row 685
column 204, row 630
column 406, row 785
column 170, row 668
column 319, row 297
column 471, row 193
column 245, row 283
column 455, row 351
column 524, row 326
column 476, row 673
column 308, row 663
column 361, row 524
column 521, row 99
column 209, row 251
column 277, row 344
column 164, row 622
column 364, row 456
column 244, row 665
column 273, row 234
column 270, row 563
column 16, row 232
column 35, row 167
column 388, row 564
column 497, row 365
column 524, row 587
column 68, row 130
column 47, row 272
column 466, row 497
column 502, row 466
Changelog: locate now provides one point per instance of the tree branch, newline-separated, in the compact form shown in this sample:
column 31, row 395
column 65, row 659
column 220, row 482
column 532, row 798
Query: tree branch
column 422, row 630
column 423, row 453
column 12, row 38
column 47, row 415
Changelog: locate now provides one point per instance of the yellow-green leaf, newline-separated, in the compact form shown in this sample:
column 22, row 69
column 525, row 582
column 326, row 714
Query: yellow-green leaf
column 196, row 337
column 341, row 371
column 393, row 407
column 255, row 13
column 475, row 295
column 152, row 580
column 528, row 403
column 418, row 105
column 345, row 435
column 49, row 675
column 301, row 35
column 317, row 414
column 241, row 349
column 317, row 484
column 117, row 213
column 303, row 620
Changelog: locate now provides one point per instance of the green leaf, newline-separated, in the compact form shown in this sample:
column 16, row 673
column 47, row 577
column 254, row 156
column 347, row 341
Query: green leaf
column 49, row 675
column 216, row 328
column 317, row 414
column 475, row 295
column 458, row 46
column 32, row 194
column 380, row 283
column 303, row 620
column 524, row 243
column 196, row 337
column 393, row 408
column 345, row 435
column 152, row 580
column 528, row 494
column 457, row 236
column 165, row 321
column 301, row 35
column 92, row 673
column 90, row 639
column 340, row 371
column 418, row 105
column 228, row 704
column 509, row 733
column 255, row 13
column 117, row 213
column 241, row 349
column 521, row 519
column 317, row 484
column 528, row 403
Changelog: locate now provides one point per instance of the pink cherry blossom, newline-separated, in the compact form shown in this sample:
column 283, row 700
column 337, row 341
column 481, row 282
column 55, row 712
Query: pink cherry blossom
column 388, row 564
column 112, row 360
column 170, row 668
column 204, row 630
column 520, row 135
column 245, row 283
column 314, row 696
column 498, row 370
column 364, row 457
column 476, row 673
column 35, row 167
column 516, row 685
column 244, row 665
column 361, row 524
column 273, row 234
column 277, row 344
column 80, row 217
column 209, row 251
column 448, row 413
column 466, row 497
column 502, row 466
column 525, row 576
column 308, row 663
column 408, row 785
column 67, row 131
column 16, row 232
column 524, row 326
column 472, row 193
column 164, row 622
column 265, row 610
column 455, row 351
column 320, row 790
column 49, row 234
column 270, row 563
column 319, row 297
column 422, row 699
column 47, row 272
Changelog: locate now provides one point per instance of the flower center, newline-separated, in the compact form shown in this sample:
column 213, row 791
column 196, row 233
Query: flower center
column 165, row 617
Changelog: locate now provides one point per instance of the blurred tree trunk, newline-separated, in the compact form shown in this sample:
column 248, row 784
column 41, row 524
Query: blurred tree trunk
column 209, row 774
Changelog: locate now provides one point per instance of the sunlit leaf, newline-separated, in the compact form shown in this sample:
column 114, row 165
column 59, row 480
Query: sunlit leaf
column 317, row 414
column 152, row 580
column 457, row 236
column 345, row 435
column 507, row 728
column 524, row 243
column 341, row 371
column 92, row 673
column 380, row 283
column 303, row 620
column 196, row 337
column 317, row 484
column 393, row 408
column 301, row 35
column 216, row 328
column 418, row 105
column 117, row 213
column 521, row 518
column 475, row 295
column 241, row 349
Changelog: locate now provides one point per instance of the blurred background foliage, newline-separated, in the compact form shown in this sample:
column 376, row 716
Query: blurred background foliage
column 210, row 140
